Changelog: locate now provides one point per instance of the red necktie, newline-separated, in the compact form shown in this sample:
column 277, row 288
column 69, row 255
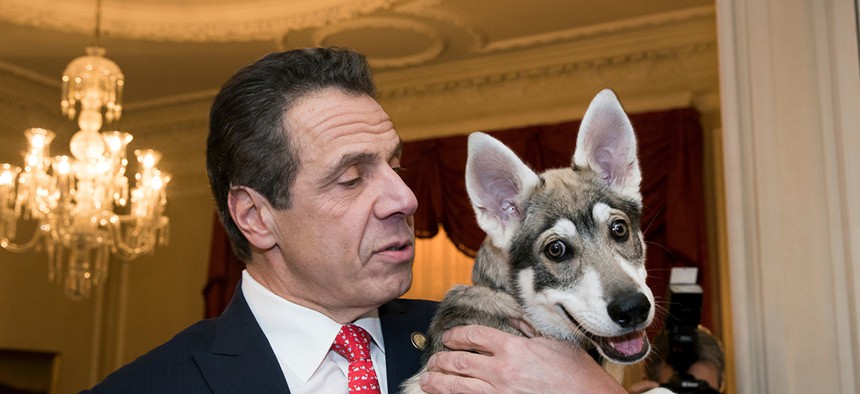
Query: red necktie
column 353, row 343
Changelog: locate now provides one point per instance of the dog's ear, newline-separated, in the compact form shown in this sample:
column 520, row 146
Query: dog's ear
column 607, row 145
column 498, row 183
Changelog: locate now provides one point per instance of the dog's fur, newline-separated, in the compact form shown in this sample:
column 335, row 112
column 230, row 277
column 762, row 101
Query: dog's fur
column 564, row 249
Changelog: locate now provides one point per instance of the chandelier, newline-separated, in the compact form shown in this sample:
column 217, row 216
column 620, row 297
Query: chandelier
column 80, row 209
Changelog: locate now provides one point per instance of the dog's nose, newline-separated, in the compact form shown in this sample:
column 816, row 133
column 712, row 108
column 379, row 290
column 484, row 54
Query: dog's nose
column 629, row 310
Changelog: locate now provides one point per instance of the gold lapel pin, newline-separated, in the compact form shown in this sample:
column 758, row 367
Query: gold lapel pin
column 419, row 340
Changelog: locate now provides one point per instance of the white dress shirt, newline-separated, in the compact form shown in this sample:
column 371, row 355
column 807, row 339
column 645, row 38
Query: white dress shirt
column 302, row 338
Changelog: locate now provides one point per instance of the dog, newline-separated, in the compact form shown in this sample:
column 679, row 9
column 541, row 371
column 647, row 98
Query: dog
column 564, row 250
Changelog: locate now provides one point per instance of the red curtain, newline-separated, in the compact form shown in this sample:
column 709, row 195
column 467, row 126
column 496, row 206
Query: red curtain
column 670, row 155
column 225, row 270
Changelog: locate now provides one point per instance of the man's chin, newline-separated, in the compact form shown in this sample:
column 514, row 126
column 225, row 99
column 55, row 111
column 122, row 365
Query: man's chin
column 407, row 286
column 399, row 286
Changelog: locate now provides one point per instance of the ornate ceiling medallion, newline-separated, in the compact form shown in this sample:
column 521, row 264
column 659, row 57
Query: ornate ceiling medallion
column 405, row 42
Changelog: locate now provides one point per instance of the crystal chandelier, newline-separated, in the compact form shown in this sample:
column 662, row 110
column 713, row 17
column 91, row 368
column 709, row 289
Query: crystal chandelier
column 80, row 208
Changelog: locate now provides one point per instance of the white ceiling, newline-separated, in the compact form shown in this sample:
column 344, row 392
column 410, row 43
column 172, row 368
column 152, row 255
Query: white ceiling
column 170, row 48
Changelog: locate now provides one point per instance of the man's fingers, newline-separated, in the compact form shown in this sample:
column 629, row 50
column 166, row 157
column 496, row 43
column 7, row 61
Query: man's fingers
column 484, row 360
column 473, row 338
column 454, row 363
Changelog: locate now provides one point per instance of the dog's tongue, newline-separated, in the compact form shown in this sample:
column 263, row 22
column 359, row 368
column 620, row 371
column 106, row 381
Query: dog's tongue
column 628, row 345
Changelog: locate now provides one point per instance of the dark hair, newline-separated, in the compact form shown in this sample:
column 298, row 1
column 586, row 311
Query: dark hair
column 248, row 142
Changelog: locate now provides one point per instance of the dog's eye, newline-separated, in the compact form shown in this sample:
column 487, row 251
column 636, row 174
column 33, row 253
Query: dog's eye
column 556, row 250
column 619, row 230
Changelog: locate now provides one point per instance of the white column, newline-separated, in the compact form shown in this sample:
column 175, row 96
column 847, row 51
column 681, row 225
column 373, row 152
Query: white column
column 790, row 98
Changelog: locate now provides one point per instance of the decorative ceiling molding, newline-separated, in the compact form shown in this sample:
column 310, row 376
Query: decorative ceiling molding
column 668, row 18
column 249, row 20
column 419, row 55
column 436, row 80
column 454, row 81
column 27, row 92
column 29, row 76
column 205, row 96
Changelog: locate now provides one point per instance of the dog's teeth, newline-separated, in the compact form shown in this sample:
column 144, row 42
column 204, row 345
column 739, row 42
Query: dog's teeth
column 628, row 345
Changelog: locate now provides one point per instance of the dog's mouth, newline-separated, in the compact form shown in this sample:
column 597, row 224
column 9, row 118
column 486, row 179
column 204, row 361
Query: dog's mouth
column 624, row 349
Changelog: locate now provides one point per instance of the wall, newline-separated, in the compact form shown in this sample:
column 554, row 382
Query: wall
column 790, row 94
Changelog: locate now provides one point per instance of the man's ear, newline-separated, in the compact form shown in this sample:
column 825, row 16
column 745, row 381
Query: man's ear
column 252, row 214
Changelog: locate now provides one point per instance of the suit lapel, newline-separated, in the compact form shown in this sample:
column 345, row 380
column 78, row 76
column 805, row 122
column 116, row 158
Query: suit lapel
column 241, row 359
column 399, row 320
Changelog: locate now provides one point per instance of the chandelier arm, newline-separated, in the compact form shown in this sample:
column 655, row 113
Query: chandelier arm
column 126, row 251
column 18, row 248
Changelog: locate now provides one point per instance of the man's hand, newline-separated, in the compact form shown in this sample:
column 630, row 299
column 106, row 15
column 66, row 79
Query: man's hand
column 486, row 360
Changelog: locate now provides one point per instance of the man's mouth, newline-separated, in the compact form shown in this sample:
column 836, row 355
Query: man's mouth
column 398, row 247
column 627, row 348
column 400, row 251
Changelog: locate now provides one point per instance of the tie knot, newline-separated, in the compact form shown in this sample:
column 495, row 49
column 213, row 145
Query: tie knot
column 352, row 342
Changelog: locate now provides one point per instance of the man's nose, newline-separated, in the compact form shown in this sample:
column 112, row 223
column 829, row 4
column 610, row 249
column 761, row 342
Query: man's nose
column 396, row 198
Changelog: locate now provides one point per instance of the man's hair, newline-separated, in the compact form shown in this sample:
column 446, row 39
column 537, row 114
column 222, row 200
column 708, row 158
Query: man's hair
column 248, row 142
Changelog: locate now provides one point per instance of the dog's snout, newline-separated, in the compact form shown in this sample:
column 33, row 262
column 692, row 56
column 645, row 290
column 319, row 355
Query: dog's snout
column 630, row 310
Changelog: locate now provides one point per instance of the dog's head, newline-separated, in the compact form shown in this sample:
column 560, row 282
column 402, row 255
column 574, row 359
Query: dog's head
column 571, row 237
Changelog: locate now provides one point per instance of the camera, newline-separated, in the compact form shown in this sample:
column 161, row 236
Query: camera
column 685, row 313
column 681, row 325
column 684, row 383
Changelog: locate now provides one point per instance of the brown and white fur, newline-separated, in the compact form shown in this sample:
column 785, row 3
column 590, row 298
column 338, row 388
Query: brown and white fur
column 564, row 249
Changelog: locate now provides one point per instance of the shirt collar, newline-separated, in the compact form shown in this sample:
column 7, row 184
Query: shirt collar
column 283, row 322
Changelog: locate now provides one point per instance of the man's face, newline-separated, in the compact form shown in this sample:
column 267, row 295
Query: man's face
column 347, row 239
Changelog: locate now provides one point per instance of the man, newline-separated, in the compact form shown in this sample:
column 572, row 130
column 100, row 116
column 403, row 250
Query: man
column 303, row 166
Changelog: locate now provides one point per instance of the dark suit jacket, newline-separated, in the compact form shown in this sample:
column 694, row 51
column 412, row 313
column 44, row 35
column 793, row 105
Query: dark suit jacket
column 230, row 354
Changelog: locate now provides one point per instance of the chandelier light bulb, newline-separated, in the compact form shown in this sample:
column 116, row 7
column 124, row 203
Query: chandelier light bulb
column 8, row 174
column 148, row 158
column 39, row 139
column 37, row 142
column 116, row 142
column 62, row 165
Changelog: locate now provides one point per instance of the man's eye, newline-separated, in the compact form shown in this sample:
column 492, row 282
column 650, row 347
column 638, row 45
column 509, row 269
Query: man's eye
column 399, row 170
column 351, row 177
column 351, row 183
